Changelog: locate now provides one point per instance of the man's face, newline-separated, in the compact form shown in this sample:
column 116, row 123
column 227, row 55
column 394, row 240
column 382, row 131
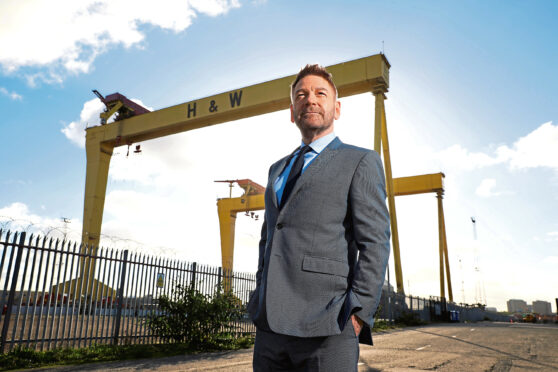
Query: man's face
column 314, row 106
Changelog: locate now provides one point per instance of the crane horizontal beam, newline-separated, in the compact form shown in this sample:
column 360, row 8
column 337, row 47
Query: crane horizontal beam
column 424, row 183
column 353, row 77
column 241, row 204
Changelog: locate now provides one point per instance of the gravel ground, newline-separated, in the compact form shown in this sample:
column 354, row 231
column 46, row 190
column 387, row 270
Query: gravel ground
column 471, row 347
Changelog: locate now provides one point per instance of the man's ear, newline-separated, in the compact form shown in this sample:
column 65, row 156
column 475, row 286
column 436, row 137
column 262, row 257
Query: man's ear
column 292, row 114
column 337, row 109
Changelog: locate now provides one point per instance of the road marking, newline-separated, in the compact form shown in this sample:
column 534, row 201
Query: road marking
column 454, row 336
column 361, row 364
column 472, row 329
column 424, row 347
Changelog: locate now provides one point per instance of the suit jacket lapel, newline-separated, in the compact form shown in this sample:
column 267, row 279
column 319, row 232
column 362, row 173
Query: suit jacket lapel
column 315, row 166
column 272, row 177
column 275, row 173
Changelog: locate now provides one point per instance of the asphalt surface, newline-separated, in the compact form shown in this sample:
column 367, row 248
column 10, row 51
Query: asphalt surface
column 471, row 347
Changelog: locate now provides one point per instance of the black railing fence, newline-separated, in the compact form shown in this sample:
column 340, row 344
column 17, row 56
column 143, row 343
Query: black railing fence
column 55, row 293
column 61, row 294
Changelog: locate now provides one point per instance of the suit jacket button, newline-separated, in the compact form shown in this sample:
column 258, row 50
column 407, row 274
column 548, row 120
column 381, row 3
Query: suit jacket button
column 279, row 226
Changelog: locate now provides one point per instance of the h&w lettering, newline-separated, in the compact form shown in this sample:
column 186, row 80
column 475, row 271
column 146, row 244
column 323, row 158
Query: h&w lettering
column 235, row 98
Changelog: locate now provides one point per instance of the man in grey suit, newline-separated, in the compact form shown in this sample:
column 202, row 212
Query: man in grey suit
column 324, row 245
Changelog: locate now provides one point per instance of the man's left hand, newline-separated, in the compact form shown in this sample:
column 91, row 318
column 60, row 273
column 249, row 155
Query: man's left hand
column 357, row 324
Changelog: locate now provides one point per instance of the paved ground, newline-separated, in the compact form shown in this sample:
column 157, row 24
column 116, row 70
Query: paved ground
column 483, row 346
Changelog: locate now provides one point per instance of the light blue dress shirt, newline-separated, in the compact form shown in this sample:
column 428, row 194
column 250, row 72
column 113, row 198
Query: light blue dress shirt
column 317, row 146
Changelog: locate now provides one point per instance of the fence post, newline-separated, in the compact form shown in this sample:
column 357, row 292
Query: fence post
column 11, row 296
column 219, row 273
column 193, row 282
column 121, row 298
column 389, row 297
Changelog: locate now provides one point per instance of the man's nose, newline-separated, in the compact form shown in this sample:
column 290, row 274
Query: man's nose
column 311, row 98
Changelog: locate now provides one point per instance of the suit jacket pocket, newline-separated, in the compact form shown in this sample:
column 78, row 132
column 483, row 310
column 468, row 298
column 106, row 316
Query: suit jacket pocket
column 325, row 265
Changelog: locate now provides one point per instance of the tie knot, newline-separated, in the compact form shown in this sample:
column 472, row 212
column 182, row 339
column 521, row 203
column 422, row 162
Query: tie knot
column 305, row 149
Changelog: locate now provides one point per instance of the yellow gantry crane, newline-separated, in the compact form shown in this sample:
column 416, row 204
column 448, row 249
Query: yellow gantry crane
column 430, row 183
column 227, row 208
column 253, row 200
column 134, row 124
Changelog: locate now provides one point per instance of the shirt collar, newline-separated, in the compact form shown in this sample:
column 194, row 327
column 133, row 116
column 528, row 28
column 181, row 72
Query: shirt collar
column 321, row 143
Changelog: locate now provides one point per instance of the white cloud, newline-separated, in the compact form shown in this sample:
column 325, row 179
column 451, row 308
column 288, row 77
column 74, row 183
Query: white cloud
column 552, row 260
column 67, row 38
column 486, row 187
column 458, row 157
column 17, row 217
column 552, row 236
column 13, row 95
column 537, row 149
column 75, row 131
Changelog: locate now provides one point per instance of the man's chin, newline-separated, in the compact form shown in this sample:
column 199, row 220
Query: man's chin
column 311, row 124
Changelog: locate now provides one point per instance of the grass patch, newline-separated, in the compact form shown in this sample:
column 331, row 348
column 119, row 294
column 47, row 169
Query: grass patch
column 21, row 357
column 409, row 319
column 384, row 325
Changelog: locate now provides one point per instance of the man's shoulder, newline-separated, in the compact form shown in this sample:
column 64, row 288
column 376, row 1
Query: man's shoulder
column 348, row 147
column 356, row 151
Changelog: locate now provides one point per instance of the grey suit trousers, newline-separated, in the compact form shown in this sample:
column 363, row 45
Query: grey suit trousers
column 277, row 352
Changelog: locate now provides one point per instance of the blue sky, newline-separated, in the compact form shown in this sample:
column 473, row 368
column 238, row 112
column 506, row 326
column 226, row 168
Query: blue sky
column 472, row 94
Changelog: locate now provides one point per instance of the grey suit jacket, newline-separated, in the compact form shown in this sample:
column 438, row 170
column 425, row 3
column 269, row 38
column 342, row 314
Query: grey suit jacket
column 323, row 256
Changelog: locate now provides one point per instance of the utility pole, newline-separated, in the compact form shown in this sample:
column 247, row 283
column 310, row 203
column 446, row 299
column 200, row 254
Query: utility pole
column 66, row 222
column 480, row 295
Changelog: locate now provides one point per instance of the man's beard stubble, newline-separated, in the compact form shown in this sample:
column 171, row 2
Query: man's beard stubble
column 308, row 130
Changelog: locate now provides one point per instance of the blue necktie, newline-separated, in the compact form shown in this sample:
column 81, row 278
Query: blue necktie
column 296, row 170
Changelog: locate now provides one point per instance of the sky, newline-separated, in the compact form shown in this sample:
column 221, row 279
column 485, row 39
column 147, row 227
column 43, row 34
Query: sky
column 472, row 94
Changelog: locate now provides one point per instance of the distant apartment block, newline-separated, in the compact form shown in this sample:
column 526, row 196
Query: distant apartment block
column 517, row 306
column 542, row 307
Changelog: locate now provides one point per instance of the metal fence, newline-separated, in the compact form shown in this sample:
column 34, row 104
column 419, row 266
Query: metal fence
column 394, row 307
column 61, row 294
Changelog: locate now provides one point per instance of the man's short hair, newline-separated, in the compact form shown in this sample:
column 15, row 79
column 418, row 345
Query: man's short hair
column 313, row 70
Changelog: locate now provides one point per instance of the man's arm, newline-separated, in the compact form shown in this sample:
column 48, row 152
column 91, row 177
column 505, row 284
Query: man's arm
column 261, row 251
column 371, row 231
column 263, row 239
